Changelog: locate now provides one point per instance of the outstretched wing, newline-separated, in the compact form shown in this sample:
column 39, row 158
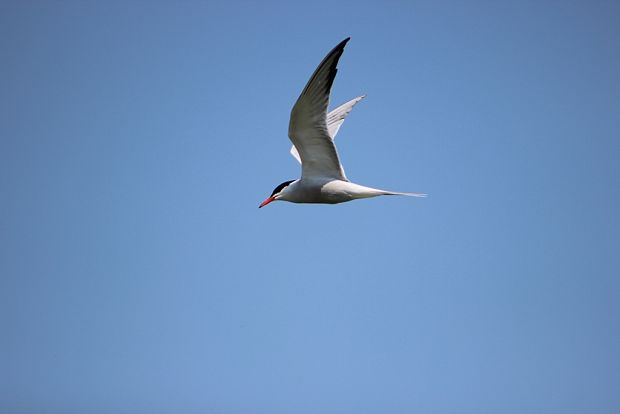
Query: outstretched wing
column 334, row 120
column 308, row 129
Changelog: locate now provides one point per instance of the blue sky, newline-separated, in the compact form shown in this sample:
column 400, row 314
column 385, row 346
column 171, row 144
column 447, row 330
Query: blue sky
column 139, row 276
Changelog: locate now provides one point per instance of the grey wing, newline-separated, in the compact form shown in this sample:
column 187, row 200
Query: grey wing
column 335, row 118
column 308, row 129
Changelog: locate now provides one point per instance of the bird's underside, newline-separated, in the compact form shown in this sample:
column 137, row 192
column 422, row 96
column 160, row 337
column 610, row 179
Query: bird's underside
column 330, row 191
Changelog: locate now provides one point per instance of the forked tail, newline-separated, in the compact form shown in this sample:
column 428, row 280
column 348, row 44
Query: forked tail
column 405, row 194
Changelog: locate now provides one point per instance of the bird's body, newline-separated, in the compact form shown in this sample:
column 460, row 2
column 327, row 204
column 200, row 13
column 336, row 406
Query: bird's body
column 325, row 190
column 312, row 130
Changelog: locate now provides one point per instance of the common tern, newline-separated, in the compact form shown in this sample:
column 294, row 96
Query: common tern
column 312, row 131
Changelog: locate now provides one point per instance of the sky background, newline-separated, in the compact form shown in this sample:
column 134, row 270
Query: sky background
column 137, row 274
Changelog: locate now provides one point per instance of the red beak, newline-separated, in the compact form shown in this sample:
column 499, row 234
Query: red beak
column 264, row 203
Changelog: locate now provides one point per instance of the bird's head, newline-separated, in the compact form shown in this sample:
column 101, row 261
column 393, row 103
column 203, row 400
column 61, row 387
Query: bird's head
column 277, row 193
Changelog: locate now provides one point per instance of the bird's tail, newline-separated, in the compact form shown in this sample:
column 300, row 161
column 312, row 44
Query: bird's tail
column 405, row 194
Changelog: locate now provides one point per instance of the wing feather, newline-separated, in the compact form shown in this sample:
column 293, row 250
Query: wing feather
column 308, row 130
column 335, row 118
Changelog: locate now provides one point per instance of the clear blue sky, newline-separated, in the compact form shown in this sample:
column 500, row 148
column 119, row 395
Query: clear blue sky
column 138, row 275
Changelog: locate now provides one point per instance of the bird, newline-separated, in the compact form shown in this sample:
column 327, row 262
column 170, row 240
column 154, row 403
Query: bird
column 312, row 131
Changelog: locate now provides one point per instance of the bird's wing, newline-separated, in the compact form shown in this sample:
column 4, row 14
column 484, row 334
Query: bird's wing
column 308, row 129
column 336, row 117
column 334, row 120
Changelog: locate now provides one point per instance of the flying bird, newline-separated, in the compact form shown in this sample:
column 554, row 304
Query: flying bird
column 312, row 131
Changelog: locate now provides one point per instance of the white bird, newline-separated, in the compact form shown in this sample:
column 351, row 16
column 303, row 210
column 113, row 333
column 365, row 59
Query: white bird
column 312, row 131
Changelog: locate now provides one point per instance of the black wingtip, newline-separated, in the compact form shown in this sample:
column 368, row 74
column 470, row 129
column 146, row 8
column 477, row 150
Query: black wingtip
column 339, row 49
column 332, row 58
